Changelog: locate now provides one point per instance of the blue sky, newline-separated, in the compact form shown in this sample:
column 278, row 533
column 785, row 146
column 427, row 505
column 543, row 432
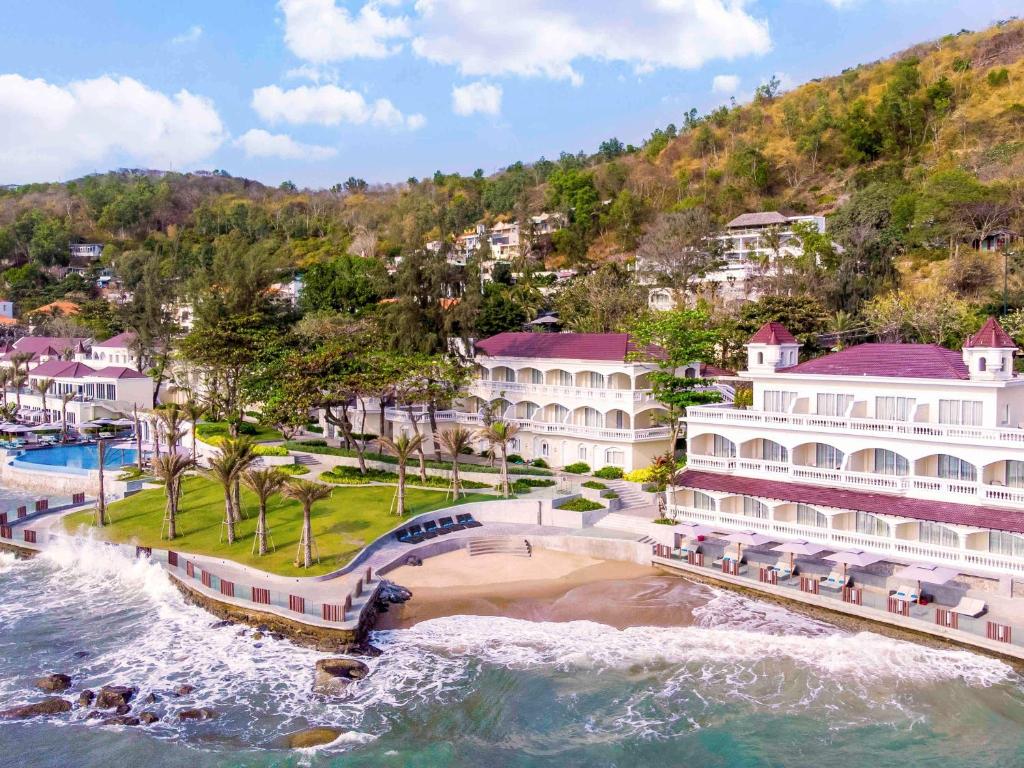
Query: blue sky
column 319, row 90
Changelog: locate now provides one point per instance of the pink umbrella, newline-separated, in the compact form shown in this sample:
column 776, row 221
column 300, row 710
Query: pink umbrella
column 798, row 548
column 746, row 538
column 857, row 557
column 932, row 574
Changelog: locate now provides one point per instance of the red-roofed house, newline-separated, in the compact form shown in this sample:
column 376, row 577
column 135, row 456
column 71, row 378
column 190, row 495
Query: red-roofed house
column 913, row 451
column 575, row 397
column 117, row 350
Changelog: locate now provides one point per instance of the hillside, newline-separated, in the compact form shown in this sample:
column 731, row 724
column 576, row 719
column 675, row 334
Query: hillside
column 911, row 156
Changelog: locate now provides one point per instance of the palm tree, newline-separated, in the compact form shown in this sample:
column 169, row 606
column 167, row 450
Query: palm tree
column 307, row 493
column 499, row 434
column 66, row 398
column 171, row 469
column 43, row 387
column 19, row 379
column 456, row 441
column 264, row 483
column 222, row 470
column 6, row 376
column 170, row 419
column 403, row 446
column 242, row 451
column 101, row 498
column 193, row 411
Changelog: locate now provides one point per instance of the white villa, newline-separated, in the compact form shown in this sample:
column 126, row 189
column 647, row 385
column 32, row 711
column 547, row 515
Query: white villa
column 107, row 392
column 117, row 350
column 575, row 397
column 912, row 451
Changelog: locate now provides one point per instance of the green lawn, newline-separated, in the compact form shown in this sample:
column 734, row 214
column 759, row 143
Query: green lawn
column 342, row 525
column 258, row 432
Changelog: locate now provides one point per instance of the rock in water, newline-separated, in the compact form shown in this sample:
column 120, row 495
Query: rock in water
column 201, row 713
column 151, row 698
column 333, row 675
column 122, row 709
column 184, row 690
column 120, row 720
column 85, row 698
column 55, row 682
column 312, row 737
column 51, row 705
column 148, row 717
column 393, row 593
column 113, row 696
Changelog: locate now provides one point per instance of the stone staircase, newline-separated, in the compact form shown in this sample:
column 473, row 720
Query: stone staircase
column 305, row 459
column 630, row 494
column 507, row 546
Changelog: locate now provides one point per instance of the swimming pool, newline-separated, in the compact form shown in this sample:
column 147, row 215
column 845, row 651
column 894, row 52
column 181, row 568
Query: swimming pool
column 76, row 459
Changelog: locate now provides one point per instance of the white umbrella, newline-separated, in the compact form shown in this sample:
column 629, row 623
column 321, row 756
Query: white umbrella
column 857, row 557
column 794, row 548
column 691, row 531
column 931, row 574
column 746, row 538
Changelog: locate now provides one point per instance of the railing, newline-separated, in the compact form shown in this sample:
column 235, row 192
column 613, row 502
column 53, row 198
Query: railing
column 909, row 429
column 538, row 427
column 839, row 539
column 558, row 390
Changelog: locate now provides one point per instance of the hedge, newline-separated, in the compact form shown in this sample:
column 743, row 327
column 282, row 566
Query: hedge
column 352, row 476
column 321, row 447
column 609, row 473
column 594, row 485
column 269, row 450
column 580, row 504
column 578, row 468
column 293, row 469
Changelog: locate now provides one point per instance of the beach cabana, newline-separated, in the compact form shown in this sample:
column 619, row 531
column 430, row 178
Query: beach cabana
column 794, row 548
column 687, row 536
column 922, row 574
column 746, row 539
column 855, row 557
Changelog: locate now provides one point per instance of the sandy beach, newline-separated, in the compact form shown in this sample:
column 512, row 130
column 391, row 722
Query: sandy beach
column 549, row 586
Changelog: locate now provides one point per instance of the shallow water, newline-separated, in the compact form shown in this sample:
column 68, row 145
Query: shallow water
column 750, row 684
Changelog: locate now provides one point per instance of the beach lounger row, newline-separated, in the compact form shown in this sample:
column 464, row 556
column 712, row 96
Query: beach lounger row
column 415, row 534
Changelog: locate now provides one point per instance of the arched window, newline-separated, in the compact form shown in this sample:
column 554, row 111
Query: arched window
column 582, row 453
column 806, row 515
column 1014, row 477
column 828, row 456
column 760, row 358
column 754, row 508
column 703, row 501
column 723, row 448
column 982, row 364
column 772, row 451
column 544, row 449
column 1002, row 543
column 871, row 525
column 934, row 533
column 952, row 468
column 890, row 463
column 614, row 456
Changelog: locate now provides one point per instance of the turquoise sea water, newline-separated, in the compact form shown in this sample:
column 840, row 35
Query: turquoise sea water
column 749, row 685
column 82, row 457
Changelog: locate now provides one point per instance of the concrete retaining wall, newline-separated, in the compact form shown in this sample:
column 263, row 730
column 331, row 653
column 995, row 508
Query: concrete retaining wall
column 491, row 478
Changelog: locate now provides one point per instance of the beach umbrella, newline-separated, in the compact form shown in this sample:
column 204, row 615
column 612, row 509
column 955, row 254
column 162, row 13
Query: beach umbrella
column 932, row 574
column 746, row 539
column 857, row 557
column 794, row 548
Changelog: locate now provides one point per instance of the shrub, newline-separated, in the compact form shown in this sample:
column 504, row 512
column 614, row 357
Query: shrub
column 580, row 504
column 609, row 473
column 312, row 444
column 515, row 458
column 578, row 468
column 269, row 450
column 526, row 484
column 640, row 475
column 293, row 469
column 364, row 437
column 609, row 495
column 352, row 476
column 320, row 447
column 594, row 485
column 539, row 463
column 467, row 451
column 315, row 428
column 665, row 521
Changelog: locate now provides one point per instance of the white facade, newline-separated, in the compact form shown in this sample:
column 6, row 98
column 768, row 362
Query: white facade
column 948, row 443
column 103, row 393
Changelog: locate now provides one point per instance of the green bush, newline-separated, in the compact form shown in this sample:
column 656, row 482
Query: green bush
column 352, row 476
column 525, row 484
column 580, row 504
column 515, row 458
column 320, row 447
column 364, row 437
column 293, row 469
column 665, row 521
column 315, row 428
column 609, row 495
column 539, row 463
column 578, row 468
column 594, row 485
column 270, row 450
column 609, row 473
column 467, row 451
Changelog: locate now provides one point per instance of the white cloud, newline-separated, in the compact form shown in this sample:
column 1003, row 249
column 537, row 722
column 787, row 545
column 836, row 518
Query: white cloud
column 476, row 97
column 327, row 105
column 192, row 35
column 533, row 38
column 51, row 131
column 840, row 4
column 725, row 84
column 259, row 143
column 320, row 31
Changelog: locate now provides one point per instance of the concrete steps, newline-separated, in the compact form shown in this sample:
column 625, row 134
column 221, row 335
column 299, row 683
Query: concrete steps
column 630, row 494
column 517, row 547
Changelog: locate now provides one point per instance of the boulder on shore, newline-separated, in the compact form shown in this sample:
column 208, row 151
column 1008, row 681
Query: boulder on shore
column 201, row 713
column 312, row 737
column 148, row 717
column 120, row 720
column 113, row 696
column 333, row 675
column 54, row 683
column 85, row 698
column 51, row 705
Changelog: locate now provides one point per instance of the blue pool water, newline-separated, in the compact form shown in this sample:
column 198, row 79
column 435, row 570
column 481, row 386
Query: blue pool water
column 77, row 457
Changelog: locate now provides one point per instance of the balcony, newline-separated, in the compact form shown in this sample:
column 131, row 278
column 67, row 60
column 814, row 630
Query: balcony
column 601, row 395
column 942, row 489
column 402, row 416
column 911, row 430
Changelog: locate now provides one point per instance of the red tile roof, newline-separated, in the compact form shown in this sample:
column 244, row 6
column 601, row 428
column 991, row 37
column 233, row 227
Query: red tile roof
column 612, row 347
column 773, row 333
column 61, row 368
column 861, row 501
column 46, row 345
column 125, row 339
column 119, row 372
column 713, row 371
column 992, row 335
column 913, row 361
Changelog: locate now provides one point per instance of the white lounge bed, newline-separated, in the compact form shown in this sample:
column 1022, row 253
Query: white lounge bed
column 906, row 594
column 835, row 580
column 970, row 606
column 782, row 568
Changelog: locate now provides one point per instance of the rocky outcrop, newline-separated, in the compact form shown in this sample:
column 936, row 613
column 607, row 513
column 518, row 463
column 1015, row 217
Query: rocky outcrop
column 390, row 592
column 333, row 675
column 148, row 717
column 312, row 737
column 120, row 720
column 201, row 713
column 85, row 698
column 51, row 705
column 54, row 683
column 113, row 696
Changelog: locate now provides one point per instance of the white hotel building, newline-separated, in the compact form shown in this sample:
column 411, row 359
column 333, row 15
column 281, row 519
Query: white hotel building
column 575, row 397
column 912, row 451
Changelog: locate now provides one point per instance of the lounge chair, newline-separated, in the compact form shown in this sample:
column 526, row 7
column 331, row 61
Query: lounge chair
column 782, row 568
column 835, row 580
column 970, row 606
column 443, row 529
column 450, row 525
column 413, row 534
column 401, row 534
column 687, row 546
column 430, row 530
column 906, row 594
column 468, row 521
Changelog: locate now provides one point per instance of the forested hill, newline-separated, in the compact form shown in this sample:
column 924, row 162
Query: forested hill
column 911, row 156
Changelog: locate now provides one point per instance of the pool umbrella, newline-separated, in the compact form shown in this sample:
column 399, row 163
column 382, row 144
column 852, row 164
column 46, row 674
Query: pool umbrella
column 857, row 557
column 932, row 574
column 746, row 538
column 690, row 531
column 795, row 548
